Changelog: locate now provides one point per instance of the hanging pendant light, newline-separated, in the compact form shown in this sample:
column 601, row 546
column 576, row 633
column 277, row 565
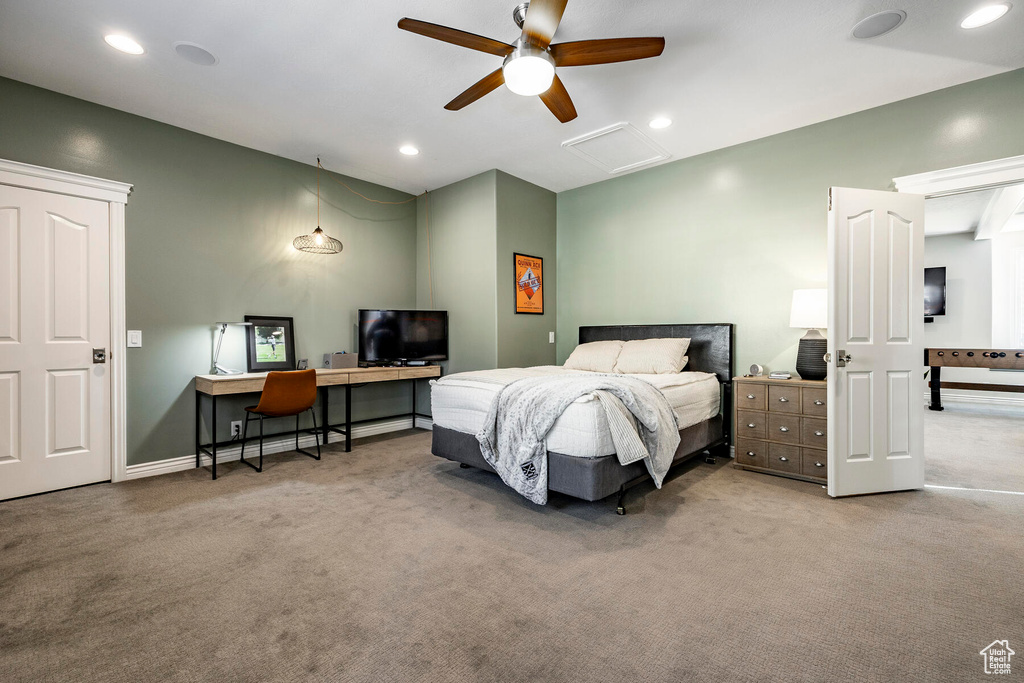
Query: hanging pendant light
column 317, row 242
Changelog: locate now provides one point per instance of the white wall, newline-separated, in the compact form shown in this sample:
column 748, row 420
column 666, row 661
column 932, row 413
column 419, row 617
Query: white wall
column 969, row 306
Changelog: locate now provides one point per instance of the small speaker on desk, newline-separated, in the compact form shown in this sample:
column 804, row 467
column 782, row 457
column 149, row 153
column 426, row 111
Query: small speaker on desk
column 341, row 360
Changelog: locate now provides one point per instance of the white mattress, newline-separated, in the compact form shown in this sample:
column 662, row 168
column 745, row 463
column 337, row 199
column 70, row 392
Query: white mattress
column 461, row 401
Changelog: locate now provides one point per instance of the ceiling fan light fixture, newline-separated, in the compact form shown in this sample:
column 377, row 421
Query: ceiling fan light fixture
column 529, row 71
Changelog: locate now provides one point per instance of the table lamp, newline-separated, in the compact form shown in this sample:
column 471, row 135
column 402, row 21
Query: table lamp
column 810, row 311
column 218, row 369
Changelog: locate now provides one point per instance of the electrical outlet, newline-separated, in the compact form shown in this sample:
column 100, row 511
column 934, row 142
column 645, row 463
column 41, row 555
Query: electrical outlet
column 236, row 429
column 551, row 337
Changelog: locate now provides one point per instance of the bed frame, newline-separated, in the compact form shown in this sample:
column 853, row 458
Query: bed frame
column 711, row 350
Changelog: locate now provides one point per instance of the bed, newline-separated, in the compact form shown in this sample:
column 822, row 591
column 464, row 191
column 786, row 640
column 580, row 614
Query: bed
column 588, row 470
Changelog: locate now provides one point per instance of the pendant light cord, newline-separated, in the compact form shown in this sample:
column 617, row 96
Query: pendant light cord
column 318, row 192
column 358, row 194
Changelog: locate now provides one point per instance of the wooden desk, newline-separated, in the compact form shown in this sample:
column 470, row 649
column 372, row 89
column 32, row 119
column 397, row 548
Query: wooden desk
column 248, row 383
column 996, row 359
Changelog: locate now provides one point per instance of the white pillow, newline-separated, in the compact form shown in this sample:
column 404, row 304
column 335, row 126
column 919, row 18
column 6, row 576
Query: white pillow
column 652, row 356
column 597, row 356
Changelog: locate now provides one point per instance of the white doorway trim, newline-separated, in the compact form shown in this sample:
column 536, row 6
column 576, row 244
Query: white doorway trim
column 17, row 174
column 963, row 178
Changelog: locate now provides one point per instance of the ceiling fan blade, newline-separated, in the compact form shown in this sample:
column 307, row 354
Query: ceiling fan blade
column 542, row 19
column 477, row 90
column 586, row 52
column 558, row 101
column 456, row 37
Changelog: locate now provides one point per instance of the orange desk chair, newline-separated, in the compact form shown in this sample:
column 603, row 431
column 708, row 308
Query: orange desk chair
column 284, row 394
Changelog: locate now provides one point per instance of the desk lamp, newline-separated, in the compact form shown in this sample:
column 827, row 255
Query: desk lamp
column 217, row 368
column 810, row 311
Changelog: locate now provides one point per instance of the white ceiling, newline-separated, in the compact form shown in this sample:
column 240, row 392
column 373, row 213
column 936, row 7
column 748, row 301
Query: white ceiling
column 987, row 212
column 339, row 79
column 956, row 213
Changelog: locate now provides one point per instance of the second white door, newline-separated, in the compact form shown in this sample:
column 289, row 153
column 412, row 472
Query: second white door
column 54, row 312
column 875, row 340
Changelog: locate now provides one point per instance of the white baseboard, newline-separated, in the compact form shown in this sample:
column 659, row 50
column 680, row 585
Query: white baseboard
column 992, row 400
column 280, row 445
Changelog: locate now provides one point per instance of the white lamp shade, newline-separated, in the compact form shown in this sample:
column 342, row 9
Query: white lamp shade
column 810, row 309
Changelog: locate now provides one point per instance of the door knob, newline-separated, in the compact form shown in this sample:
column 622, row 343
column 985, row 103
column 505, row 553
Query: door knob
column 99, row 355
column 842, row 358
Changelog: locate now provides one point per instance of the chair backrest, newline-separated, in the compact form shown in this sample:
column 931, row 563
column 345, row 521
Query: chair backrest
column 288, row 393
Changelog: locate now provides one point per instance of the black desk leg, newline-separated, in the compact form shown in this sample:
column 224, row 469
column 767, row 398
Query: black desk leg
column 414, row 404
column 213, row 434
column 198, row 419
column 348, row 418
column 936, row 382
column 324, row 393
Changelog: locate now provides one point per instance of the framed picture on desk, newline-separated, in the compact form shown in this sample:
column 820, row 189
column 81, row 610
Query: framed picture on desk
column 269, row 343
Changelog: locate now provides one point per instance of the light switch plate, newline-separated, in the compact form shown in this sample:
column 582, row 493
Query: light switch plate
column 551, row 337
column 134, row 339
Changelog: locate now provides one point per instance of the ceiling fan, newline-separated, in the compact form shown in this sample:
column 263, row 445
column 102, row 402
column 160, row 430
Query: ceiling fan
column 530, row 62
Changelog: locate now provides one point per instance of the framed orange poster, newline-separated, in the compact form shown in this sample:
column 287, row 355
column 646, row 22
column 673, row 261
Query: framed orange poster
column 529, row 271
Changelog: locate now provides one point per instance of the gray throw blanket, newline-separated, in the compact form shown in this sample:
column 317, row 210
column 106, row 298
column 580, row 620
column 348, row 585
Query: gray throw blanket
column 512, row 440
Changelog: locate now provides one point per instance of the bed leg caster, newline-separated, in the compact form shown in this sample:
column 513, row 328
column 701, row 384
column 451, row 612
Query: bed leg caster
column 620, row 509
column 464, row 466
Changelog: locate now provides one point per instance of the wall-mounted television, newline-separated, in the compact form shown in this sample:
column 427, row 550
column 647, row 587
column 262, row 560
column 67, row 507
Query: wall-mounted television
column 934, row 291
column 389, row 336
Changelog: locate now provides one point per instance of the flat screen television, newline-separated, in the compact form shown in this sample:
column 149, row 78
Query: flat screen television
column 934, row 291
column 387, row 336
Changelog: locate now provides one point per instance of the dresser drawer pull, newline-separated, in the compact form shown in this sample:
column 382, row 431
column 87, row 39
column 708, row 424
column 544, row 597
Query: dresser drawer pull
column 750, row 396
column 783, row 400
column 819, row 433
column 751, row 454
column 818, row 464
column 783, row 458
column 819, row 403
column 751, row 425
column 783, row 429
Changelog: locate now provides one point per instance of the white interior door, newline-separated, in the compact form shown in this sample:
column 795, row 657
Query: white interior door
column 876, row 329
column 54, row 310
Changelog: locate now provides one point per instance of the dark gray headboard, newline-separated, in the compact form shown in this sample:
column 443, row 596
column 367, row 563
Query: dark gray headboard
column 711, row 345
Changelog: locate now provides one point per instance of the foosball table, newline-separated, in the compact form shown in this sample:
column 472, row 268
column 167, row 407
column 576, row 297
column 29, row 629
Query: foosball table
column 995, row 359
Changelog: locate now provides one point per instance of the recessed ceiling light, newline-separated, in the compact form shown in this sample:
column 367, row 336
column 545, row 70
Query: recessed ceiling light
column 985, row 15
column 123, row 43
column 408, row 150
column 660, row 122
column 195, row 54
column 879, row 24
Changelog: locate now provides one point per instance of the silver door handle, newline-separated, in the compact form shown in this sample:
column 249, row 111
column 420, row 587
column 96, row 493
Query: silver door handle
column 99, row 355
column 842, row 358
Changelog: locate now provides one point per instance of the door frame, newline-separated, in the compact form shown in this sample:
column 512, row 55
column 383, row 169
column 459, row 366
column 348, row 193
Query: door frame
column 17, row 174
column 963, row 178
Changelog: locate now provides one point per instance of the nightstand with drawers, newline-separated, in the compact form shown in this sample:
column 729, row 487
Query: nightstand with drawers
column 781, row 427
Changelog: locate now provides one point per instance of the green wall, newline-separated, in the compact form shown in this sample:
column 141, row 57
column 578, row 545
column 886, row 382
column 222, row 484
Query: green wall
column 526, row 224
column 209, row 228
column 462, row 246
column 727, row 236
column 475, row 225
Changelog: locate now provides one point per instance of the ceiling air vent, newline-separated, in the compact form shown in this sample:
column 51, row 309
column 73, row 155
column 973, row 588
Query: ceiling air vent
column 617, row 149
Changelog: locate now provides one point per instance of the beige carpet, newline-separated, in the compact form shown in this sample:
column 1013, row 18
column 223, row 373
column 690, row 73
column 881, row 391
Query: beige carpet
column 389, row 564
column 975, row 446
